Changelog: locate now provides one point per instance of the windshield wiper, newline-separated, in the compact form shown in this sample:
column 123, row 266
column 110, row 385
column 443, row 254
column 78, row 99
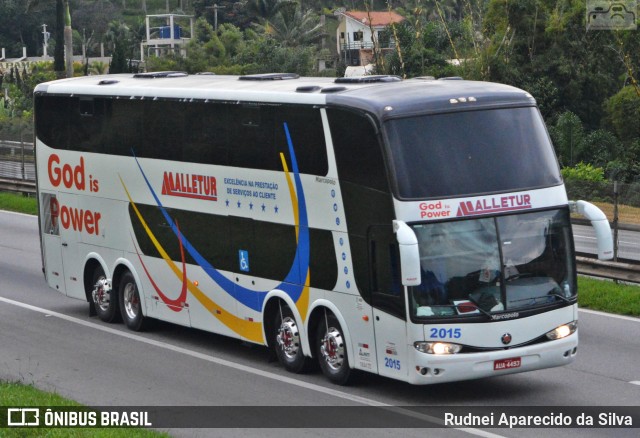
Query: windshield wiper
column 557, row 294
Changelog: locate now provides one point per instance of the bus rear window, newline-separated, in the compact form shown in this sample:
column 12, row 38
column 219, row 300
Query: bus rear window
column 470, row 153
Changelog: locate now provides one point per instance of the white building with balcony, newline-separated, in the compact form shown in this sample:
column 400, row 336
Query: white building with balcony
column 355, row 31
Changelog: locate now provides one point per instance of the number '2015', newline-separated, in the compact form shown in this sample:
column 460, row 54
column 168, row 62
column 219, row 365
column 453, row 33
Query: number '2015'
column 392, row 363
column 444, row 333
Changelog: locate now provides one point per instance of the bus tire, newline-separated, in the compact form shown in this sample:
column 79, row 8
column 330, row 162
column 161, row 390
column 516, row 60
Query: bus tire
column 105, row 303
column 130, row 304
column 287, row 343
column 331, row 350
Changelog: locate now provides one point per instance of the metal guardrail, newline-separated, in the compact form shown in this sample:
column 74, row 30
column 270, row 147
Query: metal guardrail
column 622, row 271
column 15, row 185
column 17, row 167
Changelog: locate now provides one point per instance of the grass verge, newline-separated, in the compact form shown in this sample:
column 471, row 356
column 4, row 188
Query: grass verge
column 18, row 203
column 626, row 213
column 19, row 395
column 607, row 296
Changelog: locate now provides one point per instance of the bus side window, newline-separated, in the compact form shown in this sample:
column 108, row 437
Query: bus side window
column 358, row 151
column 52, row 123
column 164, row 126
column 304, row 124
column 384, row 258
column 123, row 132
column 86, row 118
column 253, row 146
column 206, row 137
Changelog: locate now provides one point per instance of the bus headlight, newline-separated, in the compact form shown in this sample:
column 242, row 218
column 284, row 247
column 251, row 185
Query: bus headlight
column 563, row 331
column 437, row 347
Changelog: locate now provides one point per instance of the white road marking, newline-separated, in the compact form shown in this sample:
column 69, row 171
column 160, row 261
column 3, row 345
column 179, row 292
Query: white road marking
column 20, row 214
column 584, row 237
column 610, row 315
column 246, row 369
column 635, row 382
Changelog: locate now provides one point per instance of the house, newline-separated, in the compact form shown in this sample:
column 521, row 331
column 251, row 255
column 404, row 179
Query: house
column 355, row 31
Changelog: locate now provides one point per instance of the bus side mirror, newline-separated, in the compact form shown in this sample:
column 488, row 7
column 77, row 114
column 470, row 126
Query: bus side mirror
column 409, row 254
column 600, row 224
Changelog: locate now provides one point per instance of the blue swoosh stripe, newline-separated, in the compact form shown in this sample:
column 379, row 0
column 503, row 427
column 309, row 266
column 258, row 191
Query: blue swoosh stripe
column 250, row 298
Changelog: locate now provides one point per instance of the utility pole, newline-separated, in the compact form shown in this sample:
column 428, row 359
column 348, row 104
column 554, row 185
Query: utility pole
column 215, row 8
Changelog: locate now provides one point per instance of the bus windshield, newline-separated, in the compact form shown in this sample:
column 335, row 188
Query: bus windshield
column 472, row 152
column 493, row 265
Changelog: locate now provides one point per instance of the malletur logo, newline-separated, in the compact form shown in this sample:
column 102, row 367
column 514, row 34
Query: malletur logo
column 612, row 15
column 190, row 186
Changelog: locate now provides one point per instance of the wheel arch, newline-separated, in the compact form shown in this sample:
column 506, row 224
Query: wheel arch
column 269, row 309
column 317, row 313
column 121, row 266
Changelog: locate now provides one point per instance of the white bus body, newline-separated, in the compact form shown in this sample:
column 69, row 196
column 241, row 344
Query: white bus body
column 266, row 208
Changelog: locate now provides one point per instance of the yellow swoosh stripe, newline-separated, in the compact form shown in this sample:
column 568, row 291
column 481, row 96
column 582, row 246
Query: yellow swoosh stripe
column 249, row 329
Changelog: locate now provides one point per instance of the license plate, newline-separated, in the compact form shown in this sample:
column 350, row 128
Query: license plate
column 506, row 364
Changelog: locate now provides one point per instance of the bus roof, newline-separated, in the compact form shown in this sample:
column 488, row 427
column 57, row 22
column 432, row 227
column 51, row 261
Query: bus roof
column 386, row 96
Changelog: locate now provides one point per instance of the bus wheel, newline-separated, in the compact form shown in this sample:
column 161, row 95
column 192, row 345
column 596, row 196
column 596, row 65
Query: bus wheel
column 103, row 296
column 332, row 351
column 287, row 341
column 130, row 304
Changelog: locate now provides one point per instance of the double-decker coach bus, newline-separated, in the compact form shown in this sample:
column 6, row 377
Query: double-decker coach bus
column 418, row 229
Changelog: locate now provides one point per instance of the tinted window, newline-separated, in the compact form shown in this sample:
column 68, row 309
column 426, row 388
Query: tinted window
column 232, row 134
column 468, row 153
column 386, row 288
column 358, row 152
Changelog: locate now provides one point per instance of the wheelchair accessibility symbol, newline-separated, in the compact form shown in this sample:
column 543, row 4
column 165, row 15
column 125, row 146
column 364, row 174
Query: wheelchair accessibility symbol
column 243, row 259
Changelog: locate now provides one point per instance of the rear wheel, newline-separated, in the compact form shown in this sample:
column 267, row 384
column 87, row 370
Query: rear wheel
column 104, row 298
column 130, row 304
column 332, row 351
column 287, row 341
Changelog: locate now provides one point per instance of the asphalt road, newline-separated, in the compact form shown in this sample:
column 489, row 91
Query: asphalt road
column 50, row 341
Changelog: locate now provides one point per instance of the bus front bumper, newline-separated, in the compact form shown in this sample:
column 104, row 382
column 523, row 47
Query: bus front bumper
column 429, row 368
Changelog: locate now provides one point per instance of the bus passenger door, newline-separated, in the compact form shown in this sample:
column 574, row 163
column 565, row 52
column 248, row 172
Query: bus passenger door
column 71, row 224
column 51, row 241
column 389, row 307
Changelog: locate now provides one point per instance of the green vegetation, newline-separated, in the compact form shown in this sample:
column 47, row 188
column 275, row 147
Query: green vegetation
column 608, row 296
column 18, row 203
column 583, row 172
column 19, row 395
column 586, row 83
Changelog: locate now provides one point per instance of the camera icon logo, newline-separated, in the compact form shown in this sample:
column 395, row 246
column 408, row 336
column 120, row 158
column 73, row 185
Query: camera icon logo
column 612, row 15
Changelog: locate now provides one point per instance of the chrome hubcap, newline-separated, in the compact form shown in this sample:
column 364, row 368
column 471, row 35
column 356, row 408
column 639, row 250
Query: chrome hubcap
column 131, row 301
column 332, row 349
column 288, row 337
column 101, row 293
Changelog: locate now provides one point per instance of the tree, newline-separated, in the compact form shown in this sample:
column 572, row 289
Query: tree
column 568, row 136
column 58, row 63
column 623, row 114
column 266, row 9
column 292, row 27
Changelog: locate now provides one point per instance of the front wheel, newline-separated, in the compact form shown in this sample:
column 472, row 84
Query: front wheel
column 130, row 304
column 332, row 351
column 104, row 298
column 287, row 341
